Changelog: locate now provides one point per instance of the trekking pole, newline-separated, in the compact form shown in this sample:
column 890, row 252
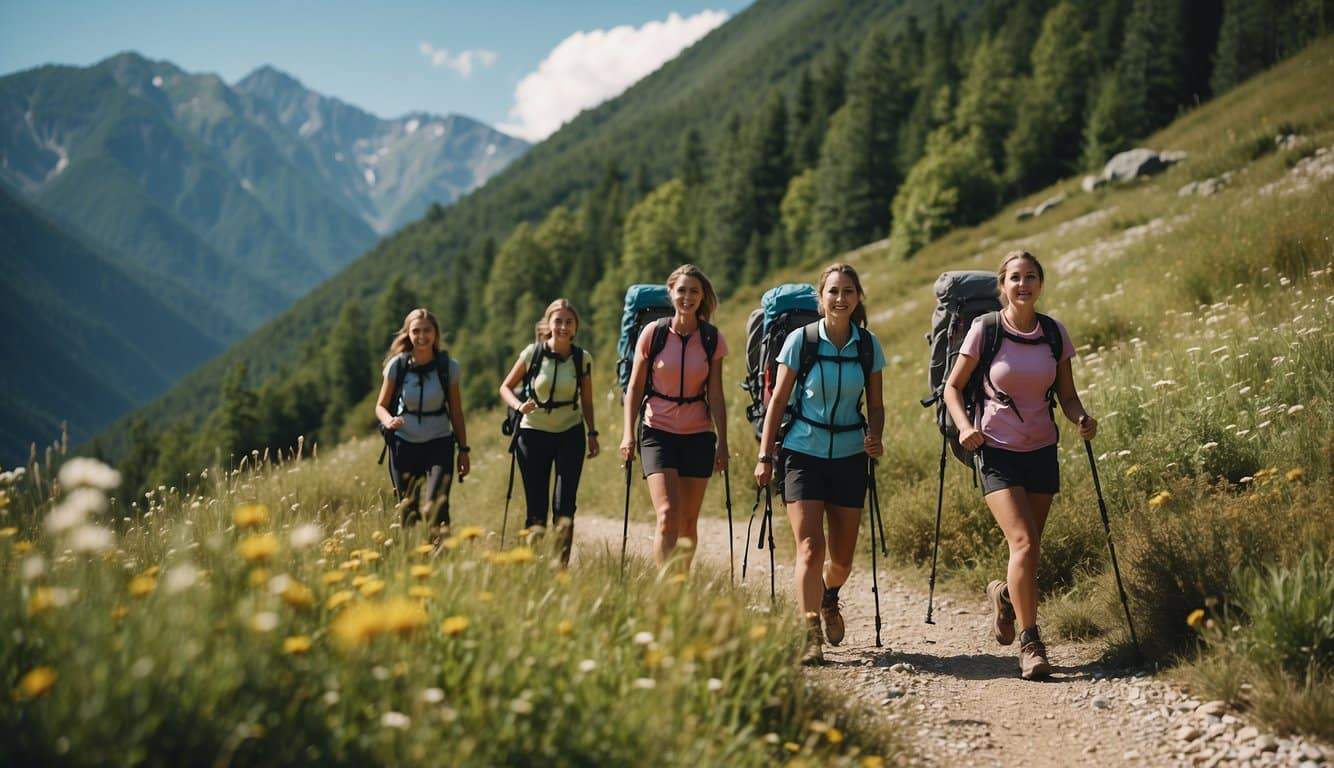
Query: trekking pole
column 509, row 492
column 935, row 547
column 745, row 551
column 731, row 555
column 769, row 517
column 625, row 528
column 875, row 578
column 1107, row 529
column 879, row 519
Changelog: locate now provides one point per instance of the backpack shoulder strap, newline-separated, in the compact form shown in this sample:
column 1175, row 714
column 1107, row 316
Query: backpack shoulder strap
column 810, row 350
column 442, row 370
column 400, row 375
column 534, row 365
column 579, row 373
column 1052, row 333
column 658, row 342
column 866, row 354
column 991, row 338
column 708, row 336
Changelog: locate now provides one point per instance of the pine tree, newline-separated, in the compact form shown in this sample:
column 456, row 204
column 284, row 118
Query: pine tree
column 693, row 161
column 770, row 164
column 232, row 429
column 952, row 185
column 656, row 235
column 731, row 214
column 344, row 367
column 987, row 99
column 1242, row 43
column 394, row 304
column 140, row 455
column 797, row 208
column 807, row 124
column 936, row 88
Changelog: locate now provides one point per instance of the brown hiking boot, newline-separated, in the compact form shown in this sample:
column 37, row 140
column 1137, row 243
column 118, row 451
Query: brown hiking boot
column 1033, row 663
column 1002, row 623
column 833, row 620
column 813, row 654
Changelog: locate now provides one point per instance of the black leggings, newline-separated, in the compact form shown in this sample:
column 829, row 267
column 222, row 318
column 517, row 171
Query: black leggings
column 421, row 473
column 536, row 452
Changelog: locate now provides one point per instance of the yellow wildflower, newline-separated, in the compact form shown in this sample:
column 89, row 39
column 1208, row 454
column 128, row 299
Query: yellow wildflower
column 337, row 599
column 469, row 532
column 873, row 761
column 420, row 592
column 1133, row 470
column 259, row 577
column 41, row 601
column 142, row 586
column 298, row 595
column 402, row 616
column 6, row 533
column 369, row 555
column 421, row 571
column 450, row 542
column 372, row 587
column 377, row 536
column 453, row 626
column 334, row 577
column 1295, row 474
column 257, row 548
column 356, row 626
column 834, row 735
column 758, row 632
column 1159, row 499
column 250, row 515
column 358, row 581
column 118, row 612
column 679, row 578
column 38, row 681
column 424, row 550
column 1195, row 618
column 485, row 596
column 349, row 565
column 22, row 547
column 791, row 746
column 152, row 571
column 296, row 645
column 565, row 627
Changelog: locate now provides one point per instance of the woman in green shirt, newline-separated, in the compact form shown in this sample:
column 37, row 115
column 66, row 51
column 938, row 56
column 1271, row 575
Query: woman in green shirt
column 550, row 386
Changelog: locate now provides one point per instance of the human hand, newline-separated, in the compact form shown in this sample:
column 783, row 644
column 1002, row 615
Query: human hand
column 971, row 438
column 1088, row 427
column 528, row 407
column 764, row 472
column 875, row 447
column 465, row 465
column 394, row 423
column 593, row 449
column 627, row 449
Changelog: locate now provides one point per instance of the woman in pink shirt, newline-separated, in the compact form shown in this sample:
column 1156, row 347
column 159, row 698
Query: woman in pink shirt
column 684, row 439
column 1015, row 438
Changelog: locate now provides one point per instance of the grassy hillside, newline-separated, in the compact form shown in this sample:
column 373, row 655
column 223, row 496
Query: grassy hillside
column 83, row 339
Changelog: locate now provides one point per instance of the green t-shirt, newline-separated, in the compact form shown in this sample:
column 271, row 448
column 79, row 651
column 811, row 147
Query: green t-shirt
column 555, row 381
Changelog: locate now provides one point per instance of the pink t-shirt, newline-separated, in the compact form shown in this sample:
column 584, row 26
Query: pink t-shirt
column 1024, row 372
column 681, row 419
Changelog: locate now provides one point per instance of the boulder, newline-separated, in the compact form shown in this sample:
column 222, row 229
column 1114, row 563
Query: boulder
column 1133, row 164
column 1189, row 189
column 1023, row 214
column 1091, row 183
column 1048, row 204
column 1173, row 156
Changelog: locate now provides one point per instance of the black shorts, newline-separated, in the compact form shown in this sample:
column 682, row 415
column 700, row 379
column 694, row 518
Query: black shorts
column 1034, row 471
column 841, row 482
column 690, row 455
column 419, row 458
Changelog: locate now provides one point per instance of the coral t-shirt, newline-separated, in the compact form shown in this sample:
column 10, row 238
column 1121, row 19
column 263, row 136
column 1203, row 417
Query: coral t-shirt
column 1025, row 372
column 681, row 370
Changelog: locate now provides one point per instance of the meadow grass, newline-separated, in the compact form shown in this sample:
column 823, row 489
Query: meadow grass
column 276, row 615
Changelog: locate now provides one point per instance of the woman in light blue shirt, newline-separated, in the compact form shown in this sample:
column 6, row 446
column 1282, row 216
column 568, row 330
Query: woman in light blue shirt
column 823, row 371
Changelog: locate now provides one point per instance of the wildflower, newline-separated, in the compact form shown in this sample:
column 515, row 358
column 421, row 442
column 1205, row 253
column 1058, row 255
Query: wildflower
column 1209, row 446
column 334, row 577
column 298, row 595
column 433, row 696
column 834, row 735
column 420, row 571
column 304, row 536
column 1296, row 409
column 644, row 683
column 372, row 587
column 296, row 645
column 23, row 547
column 89, row 473
column 714, row 685
column 420, row 592
column 1162, row 383
column 565, row 627
column 37, row 682
column 678, row 578
column 74, row 510
column 250, row 515
column 118, row 612
column 33, row 567
column 8, row 532
column 257, row 548
column 453, row 626
column 337, row 599
column 142, row 586
column 758, row 632
column 1122, row 454
column 1195, row 618
column 395, row 720
column 402, row 617
column 791, row 746
column 265, row 621
column 349, row 565
column 357, row 626
column 1295, row 474
column 40, row 602
column 587, row 665
column 423, row 550
column 181, row 577
column 643, row 638
column 470, row 532
column 521, row 707
column 1132, row 471
column 1159, row 499
column 873, row 761
column 370, row 555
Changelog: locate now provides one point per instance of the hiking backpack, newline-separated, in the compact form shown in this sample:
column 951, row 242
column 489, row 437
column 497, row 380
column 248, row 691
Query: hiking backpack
column 404, row 364
column 783, row 309
column 643, row 305
column 961, row 298
column 527, row 389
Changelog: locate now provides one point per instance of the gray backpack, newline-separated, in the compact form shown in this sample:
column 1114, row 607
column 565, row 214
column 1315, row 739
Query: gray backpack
column 961, row 297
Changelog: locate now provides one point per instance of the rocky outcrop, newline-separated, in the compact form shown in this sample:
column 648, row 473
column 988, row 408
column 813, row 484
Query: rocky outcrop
column 1139, row 163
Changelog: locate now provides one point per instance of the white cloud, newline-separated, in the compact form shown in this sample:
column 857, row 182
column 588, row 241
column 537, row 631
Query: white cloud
column 587, row 68
column 462, row 62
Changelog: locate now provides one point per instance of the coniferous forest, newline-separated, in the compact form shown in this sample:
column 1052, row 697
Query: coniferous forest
column 863, row 123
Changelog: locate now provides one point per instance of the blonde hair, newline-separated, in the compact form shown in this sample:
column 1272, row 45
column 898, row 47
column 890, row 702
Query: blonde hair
column 544, row 325
column 1019, row 255
column 709, row 303
column 840, row 268
column 402, row 342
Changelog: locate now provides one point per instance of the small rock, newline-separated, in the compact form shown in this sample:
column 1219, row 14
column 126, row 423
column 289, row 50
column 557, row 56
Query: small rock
column 1188, row 189
column 903, row 667
column 1266, row 743
column 1310, row 752
column 1230, row 720
column 1048, row 204
column 1092, row 183
column 1248, row 733
column 1130, row 754
column 1247, row 753
column 1309, row 764
column 1023, row 214
column 1187, row 733
column 1100, row 703
column 1090, row 749
column 1215, row 708
column 893, row 693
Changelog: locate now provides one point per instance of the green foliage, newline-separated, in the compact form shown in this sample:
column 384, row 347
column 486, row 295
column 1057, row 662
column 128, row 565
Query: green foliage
column 657, row 237
column 797, row 209
column 952, row 185
column 1290, row 614
column 987, row 100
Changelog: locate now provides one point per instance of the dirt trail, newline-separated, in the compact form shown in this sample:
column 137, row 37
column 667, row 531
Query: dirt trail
column 959, row 692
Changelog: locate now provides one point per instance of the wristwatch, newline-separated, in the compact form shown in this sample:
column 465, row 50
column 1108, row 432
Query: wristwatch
column 464, row 449
column 765, row 458
column 592, row 433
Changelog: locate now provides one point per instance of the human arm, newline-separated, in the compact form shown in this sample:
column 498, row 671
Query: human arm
column 512, row 380
column 718, row 411
column 970, row 437
column 773, row 418
column 460, row 426
column 633, row 396
column 875, row 416
column 1071, row 406
column 586, row 407
column 387, row 420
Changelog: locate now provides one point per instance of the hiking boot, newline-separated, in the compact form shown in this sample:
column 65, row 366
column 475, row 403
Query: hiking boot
column 813, row 654
column 1002, row 623
column 1033, row 663
column 565, row 538
column 833, row 620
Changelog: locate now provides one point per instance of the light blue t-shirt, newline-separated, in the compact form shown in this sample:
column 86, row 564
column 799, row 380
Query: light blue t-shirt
column 830, row 395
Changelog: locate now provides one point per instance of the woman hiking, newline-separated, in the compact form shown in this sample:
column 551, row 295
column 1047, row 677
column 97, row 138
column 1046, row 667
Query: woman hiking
column 420, row 410
column 550, row 387
column 823, row 459
column 1015, row 439
column 677, row 375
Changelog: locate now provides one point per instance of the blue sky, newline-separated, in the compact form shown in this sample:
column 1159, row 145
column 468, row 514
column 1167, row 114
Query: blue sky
column 389, row 57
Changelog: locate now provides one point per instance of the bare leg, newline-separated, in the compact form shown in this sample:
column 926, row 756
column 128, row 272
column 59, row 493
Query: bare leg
column 1014, row 511
column 843, row 526
column 692, row 499
column 665, row 490
column 807, row 520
